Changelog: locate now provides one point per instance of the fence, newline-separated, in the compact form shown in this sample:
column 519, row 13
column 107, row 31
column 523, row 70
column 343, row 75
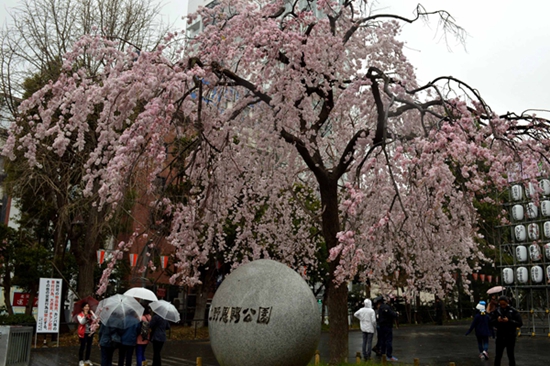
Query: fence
column 15, row 345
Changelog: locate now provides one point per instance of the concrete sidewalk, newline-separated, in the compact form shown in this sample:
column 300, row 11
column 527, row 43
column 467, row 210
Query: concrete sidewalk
column 431, row 344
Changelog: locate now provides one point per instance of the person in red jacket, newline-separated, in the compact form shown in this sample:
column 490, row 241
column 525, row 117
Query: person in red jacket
column 85, row 333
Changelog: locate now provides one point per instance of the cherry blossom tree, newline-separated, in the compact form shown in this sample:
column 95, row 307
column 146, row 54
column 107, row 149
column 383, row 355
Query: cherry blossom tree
column 32, row 44
column 274, row 97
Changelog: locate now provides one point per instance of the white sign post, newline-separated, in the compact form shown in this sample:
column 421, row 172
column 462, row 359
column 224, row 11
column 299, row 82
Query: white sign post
column 49, row 307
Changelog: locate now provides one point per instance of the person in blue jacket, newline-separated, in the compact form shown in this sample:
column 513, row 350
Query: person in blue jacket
column 483, row 330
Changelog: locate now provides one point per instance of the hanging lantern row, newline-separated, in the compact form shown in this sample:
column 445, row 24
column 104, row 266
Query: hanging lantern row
column 483, row 277
column 133, row 257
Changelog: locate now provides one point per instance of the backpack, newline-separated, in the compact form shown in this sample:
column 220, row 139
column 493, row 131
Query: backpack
column 144, row 331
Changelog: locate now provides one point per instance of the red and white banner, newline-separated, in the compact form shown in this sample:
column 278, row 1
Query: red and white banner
column 49, row 305
column 164, row 261
column 133, row 259
column 100, row 256
column 22, row 299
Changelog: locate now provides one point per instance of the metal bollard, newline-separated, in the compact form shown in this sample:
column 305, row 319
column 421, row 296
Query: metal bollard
column 199, row 361
column 358, row 358
column 317, row 358
column 416, row 362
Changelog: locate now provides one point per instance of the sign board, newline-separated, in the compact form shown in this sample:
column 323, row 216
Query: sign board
column 49, row 305
column 22, row 299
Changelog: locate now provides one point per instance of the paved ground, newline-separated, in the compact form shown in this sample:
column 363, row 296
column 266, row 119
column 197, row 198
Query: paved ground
column 432, row 345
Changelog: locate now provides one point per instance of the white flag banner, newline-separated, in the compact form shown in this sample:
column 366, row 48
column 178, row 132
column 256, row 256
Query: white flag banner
column 49, row 305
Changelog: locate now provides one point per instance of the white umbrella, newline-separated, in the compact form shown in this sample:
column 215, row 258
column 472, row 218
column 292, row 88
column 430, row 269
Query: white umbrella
column 119, row 311
column 165, row 310
column 494, row 290
column 141, row 293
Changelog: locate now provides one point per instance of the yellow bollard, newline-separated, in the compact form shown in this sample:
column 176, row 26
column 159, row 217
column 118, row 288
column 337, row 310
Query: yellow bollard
column 199, row 361
column 383, row 359
column 358, row 358
column 416, row 362
column 317, row 358
column 452, row 364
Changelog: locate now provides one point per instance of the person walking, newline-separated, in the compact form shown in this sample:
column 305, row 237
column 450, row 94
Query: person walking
column 85, row 335
column 506, row 320
column 367, row 319
column 483, row 330
column 386, row 318
column 106, row 344
column 143, row 338
column 128, row 340
column 158, row 327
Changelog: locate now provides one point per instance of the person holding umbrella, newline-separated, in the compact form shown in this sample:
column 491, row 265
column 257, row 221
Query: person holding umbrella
column 158, row 327
column 85, row 318
column 143, row 338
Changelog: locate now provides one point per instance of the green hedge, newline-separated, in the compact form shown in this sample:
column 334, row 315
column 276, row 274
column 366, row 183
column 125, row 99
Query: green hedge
column 17, row 319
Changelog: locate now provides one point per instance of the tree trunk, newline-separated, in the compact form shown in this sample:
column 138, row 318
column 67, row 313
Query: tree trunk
column 337, row 295
column 33, row 293
column 7, row 292
column 86, row 285
column 202, row 291
column 338, row 322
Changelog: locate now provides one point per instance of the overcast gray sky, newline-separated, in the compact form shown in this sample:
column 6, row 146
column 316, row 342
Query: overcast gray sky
column 506, row 55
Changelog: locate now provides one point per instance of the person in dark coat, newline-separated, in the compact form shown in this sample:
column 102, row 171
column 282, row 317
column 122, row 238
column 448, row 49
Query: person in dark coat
column 506, row 320
column 128, row 339
column 386, row 318
column 483, row 330
column 158, row 326
column 375, row 303
column 106, row 344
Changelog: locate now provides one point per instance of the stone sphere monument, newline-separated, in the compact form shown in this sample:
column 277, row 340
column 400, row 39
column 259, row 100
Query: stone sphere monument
column 264, row 313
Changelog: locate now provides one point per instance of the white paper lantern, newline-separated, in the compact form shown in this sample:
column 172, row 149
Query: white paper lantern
column 521, row 275
column 544, row 185
column 520, row 233
column 548, row 274
column 521, row 253
column 547, row 229
column 517, row 212
column 547, row 251
column 530, row 190
column 545, row 208
column 532, row 210
column 534, row 252
column 533, row 230
column 517, row 192
column 536, row 274
column 508, row 275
